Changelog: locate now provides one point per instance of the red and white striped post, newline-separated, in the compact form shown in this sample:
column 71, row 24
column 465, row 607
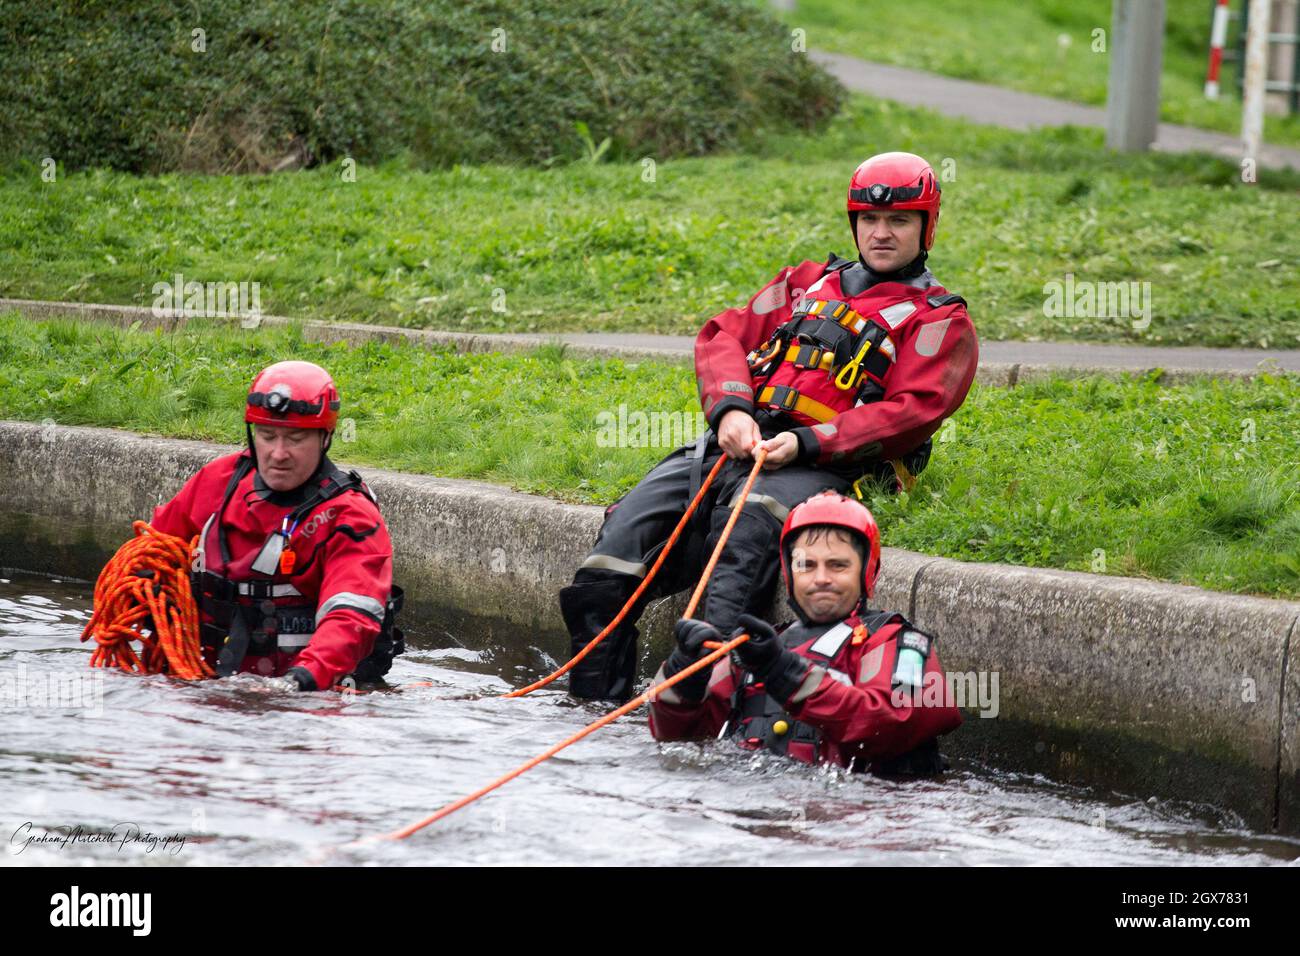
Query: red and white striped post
column 1218, row 36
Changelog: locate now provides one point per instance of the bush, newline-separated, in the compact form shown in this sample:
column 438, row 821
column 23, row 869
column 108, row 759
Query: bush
column 273, row 84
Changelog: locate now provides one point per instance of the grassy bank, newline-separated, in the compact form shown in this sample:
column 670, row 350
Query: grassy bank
column 663, row 247
column 1044, row 47
column 1194, row 484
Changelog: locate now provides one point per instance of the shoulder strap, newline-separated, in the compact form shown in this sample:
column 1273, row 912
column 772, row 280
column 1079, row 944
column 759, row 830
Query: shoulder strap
column 242, row 468
column 875, row 620
column 938, row 301
column 336, row 483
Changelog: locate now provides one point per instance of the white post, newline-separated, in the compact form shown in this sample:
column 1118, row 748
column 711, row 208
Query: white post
column 1253, row 78
column 1218, row 36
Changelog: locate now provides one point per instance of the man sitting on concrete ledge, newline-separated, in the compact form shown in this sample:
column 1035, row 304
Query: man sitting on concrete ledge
column 825, row 689
column 839, row 370
column 293, row 571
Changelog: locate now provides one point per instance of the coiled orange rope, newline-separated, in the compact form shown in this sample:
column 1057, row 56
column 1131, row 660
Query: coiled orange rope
column 143, row 594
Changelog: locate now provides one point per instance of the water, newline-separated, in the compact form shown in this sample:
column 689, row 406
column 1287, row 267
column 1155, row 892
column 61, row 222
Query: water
column 249, row 774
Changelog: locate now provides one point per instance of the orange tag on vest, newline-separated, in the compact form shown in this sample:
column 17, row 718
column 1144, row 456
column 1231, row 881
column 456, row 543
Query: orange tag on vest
column 287, row 559
column 859, row 634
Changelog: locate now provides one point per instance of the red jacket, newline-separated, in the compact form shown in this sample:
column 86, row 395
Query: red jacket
column 935, row 353
column 342, row 564
column 847, row 697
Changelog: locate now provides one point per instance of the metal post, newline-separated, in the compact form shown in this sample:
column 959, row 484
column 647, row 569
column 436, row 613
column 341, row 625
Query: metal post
column 1133, row 92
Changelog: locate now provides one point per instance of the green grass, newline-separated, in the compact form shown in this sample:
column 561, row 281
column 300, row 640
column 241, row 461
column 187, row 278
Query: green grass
column 1194, row 483
column 599, row 247
column 1045, row 47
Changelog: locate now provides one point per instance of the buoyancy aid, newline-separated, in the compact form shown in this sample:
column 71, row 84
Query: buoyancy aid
column 836, row 350
column 758, row 721
column 248, row 604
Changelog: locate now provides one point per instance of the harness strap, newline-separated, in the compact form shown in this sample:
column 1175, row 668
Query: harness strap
column 699, row 451
column 241, row 471
column 235, row 647
column 787, row 399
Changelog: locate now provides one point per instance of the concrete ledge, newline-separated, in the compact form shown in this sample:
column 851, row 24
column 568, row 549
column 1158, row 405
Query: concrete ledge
column 1191, row 675
column 1139, row 686
column 990, row 373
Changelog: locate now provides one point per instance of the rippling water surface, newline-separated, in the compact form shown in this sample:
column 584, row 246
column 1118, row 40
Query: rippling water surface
column 148, row 770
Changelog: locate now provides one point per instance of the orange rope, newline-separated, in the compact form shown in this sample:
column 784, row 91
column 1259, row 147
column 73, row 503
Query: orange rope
column 609, row 718
column 143, row 594
column 726, row 533
column 645, row 583
column 720, row 649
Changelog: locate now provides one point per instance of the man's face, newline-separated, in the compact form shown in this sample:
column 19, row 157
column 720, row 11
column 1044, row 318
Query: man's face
column 889, row 239
column 286, row 457
column 827, row 574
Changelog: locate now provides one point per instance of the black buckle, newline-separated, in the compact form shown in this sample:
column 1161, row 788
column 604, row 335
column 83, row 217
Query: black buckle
column 809, row 356
column 784, row 397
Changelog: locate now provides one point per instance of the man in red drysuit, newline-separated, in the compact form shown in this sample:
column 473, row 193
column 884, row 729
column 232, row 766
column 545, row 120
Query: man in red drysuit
column 294, row 568
column 843, row 685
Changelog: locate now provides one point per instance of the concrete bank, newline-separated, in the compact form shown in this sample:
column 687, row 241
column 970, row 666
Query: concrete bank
column 1001, row 363
column 1150, row 689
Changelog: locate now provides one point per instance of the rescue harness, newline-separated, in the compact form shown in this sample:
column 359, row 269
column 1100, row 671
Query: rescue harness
column 259, row 616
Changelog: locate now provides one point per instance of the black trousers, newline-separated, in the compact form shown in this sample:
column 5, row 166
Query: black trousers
column 637, row 527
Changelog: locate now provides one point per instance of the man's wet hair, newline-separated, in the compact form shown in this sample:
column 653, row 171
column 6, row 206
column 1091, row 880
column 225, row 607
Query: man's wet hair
column 815, row 532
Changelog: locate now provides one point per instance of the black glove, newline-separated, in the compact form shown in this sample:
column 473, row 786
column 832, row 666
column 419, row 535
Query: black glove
column 302, row 677
column 764, row 656
column 691, row 635
column 762, row 650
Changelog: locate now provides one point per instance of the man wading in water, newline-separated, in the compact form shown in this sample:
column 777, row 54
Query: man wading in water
column 293, row 572
column 842, row 685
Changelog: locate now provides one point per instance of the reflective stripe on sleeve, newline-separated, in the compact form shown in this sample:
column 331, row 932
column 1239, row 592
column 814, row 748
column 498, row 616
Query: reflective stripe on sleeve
column 357, row 602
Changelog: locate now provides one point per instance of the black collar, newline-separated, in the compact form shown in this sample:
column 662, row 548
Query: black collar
column 860, row 277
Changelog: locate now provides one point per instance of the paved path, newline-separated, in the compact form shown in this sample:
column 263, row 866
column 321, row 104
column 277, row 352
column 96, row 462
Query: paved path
column 1000, row 362
column 999, row 106
column 1060, row 354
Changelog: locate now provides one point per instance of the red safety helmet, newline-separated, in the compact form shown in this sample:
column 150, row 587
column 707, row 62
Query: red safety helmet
column 896, row 181
column 830, row 508
column 295, row 395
